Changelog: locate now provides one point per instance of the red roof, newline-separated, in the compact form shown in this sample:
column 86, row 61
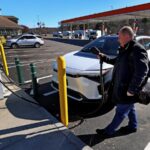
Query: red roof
column 132, row 9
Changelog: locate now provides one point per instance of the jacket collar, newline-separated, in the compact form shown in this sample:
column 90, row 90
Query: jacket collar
column 127, row 46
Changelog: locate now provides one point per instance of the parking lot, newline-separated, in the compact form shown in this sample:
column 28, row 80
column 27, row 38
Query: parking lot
column 83, row 122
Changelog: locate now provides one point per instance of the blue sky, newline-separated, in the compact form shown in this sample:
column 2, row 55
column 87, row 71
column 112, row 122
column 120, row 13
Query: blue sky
column 52, row 11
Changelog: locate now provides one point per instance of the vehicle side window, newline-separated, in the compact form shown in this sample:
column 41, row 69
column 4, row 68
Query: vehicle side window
column 145, row 42
column 30, row 37
column 23, row 37
column 141, row 41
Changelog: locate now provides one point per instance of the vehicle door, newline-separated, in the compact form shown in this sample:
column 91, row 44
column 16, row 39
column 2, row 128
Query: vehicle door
column 31, row 40
column 22, row 41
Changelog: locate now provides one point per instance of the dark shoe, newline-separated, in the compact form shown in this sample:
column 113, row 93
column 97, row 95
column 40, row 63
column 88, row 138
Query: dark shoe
column 102, row 133
column 127, row 130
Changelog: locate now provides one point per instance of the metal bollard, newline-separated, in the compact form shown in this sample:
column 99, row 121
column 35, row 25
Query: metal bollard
column 34, row 79
column 19, row 71
column 4, row 59
column 63, row 90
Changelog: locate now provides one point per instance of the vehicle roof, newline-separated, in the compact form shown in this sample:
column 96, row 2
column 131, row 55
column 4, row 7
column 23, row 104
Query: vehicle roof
column 137, row 37
column 142, row 36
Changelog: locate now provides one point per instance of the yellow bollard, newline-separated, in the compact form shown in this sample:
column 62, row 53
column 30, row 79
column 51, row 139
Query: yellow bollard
column 4, row 59
column 62, row 90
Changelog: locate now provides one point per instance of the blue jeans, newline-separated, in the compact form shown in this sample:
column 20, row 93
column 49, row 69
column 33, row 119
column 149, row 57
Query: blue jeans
column 123, row 111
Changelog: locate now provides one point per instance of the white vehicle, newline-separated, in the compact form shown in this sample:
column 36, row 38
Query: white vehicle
column 25, row 40
column 83, row 69
column 95, row 34
column 58, row 34
column 67, row 34
column 80, row 34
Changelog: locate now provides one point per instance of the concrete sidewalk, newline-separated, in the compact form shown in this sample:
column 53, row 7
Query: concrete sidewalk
column 25, row 126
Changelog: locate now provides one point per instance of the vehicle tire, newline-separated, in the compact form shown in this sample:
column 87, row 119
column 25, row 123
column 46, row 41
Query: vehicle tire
column 14, row 46
column 37, row 45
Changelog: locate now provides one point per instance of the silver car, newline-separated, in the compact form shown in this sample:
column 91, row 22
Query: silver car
column 25, row 40
column 83, row 69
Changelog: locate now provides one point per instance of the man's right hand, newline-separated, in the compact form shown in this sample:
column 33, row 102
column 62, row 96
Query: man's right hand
column 100, row 55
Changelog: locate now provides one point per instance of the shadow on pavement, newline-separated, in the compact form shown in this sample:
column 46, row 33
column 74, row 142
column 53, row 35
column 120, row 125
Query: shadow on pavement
column 22, row 109
column 77, row 110
column 93, row 139
column 70, row 41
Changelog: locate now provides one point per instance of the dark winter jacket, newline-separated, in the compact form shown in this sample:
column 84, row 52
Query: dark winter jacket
column 129, row 73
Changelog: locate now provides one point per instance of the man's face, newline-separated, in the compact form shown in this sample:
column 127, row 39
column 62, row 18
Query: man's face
column 123, row 38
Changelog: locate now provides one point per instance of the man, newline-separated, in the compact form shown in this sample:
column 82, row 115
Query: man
column 129, row 73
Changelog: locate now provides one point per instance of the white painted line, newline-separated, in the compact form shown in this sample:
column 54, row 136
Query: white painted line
column 27, row 64
column 38, row 79
column 27, row 51
column 41, row 78
column 28, row 81
column 24, row 62
column 39, row 62
column 50, row 93
column 31, row 55
column 147, row 147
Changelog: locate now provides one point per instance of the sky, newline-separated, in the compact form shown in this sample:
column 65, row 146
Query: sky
column 51, row 12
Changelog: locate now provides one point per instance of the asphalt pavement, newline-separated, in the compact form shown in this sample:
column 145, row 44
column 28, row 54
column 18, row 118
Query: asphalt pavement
column 82, row 125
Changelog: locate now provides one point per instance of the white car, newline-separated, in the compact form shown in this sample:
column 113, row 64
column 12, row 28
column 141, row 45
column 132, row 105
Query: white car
column 83, row 69
column 95, row 34
column 58, row 34
column 25, row 40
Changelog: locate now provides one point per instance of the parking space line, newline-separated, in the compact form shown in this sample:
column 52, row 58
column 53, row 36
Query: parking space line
column 32, row 55
column 31, row 61
column 35, row 62
column 50, row 93
column 38, row 79
column 147, row 147
column 27, row 51
column 45, row 77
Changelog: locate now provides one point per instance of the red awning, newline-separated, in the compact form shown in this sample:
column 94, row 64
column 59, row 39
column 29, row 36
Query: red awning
column 138, row 11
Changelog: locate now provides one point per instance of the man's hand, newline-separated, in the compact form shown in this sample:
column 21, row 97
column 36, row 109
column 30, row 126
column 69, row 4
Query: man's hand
column 129, row 94
column 100, row 55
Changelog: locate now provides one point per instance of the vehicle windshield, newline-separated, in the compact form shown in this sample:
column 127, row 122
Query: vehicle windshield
column 108, row 45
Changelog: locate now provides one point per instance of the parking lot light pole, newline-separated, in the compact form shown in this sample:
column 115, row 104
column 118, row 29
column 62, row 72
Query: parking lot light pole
column 4, row 59
column 63, row 90
column 19, row 71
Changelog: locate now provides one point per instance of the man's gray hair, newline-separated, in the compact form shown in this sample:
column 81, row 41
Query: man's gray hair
column 127, row 30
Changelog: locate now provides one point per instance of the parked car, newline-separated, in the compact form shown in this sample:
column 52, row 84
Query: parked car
column 67, row 34
column 83, row 69
column 79, row 34
column 25, row 40
column 95, row 34
column 58, row 34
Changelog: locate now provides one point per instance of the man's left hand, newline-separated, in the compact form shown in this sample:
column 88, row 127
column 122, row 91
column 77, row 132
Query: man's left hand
column 129, row 94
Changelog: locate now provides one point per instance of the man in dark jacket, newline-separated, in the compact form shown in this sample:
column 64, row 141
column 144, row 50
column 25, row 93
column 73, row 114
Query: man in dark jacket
column 129, row 73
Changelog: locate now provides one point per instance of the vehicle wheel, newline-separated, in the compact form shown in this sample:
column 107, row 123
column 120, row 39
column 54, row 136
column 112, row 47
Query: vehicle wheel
column 37, row 45
column 14, row 46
